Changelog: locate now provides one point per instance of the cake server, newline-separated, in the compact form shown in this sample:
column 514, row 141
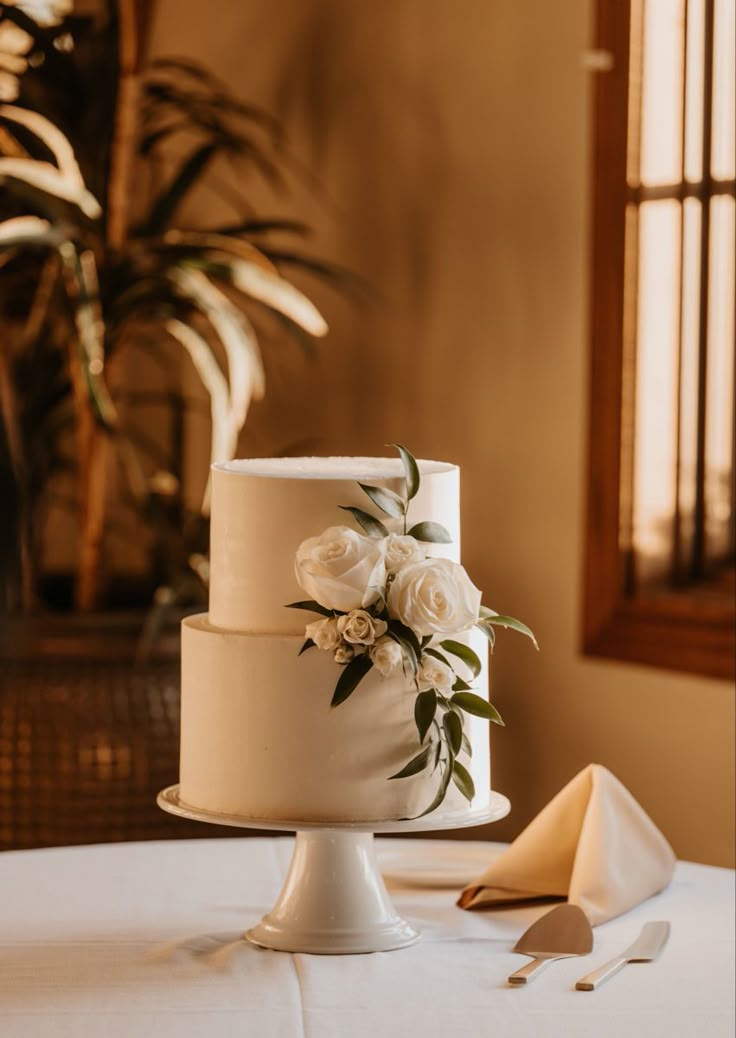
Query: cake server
column 561, row 933
column 645, row 948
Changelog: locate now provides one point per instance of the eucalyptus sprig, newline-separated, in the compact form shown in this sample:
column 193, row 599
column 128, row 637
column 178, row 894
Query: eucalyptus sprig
column 439, row 715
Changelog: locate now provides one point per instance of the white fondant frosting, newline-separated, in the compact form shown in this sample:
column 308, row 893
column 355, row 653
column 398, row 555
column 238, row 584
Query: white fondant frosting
column 260, row 739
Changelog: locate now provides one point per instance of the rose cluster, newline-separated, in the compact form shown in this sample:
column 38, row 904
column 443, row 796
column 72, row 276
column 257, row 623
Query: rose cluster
column 367, row 582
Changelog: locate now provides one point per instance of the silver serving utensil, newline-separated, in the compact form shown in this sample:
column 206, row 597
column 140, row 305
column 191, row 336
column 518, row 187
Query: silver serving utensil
column 561, row 933
column 645, row 948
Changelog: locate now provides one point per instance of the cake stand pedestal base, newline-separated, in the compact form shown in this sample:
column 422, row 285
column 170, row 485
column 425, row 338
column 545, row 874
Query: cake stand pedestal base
column 334, row 901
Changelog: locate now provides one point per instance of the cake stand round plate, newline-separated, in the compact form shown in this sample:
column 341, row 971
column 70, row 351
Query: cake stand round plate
column 334, row 901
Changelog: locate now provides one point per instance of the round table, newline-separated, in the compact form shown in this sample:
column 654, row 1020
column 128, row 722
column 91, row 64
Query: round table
column 146, row 939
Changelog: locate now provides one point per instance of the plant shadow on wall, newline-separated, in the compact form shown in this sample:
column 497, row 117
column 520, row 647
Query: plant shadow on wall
column 88, row 137
column 99, row 159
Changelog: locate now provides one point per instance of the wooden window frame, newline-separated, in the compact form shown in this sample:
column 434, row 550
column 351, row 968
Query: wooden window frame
column 692, row 630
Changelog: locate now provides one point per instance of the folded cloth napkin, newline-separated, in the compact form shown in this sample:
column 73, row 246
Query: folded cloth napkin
column 592, row 845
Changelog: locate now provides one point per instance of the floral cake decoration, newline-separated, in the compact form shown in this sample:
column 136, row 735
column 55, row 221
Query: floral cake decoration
column 384, row 604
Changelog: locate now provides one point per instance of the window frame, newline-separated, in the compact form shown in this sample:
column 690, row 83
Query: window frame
column 692, row 630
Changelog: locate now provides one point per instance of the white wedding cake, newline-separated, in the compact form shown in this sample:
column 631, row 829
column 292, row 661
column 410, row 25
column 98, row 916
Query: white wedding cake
column 259, row 737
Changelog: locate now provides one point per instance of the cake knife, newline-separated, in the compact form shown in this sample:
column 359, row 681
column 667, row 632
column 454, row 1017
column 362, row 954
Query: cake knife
column 645, row 948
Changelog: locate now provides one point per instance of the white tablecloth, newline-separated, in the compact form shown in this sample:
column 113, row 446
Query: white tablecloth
column 143, row 939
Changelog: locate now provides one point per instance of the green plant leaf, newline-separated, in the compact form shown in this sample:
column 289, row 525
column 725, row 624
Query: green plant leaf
column 425, row 707
column 411, row 470
column 437, row 749
column 308, row 644
column 508, row 621
column 460, row 686
column 311, row 606
column 473, row 704
column 415, row 765
column 453, row 731
column 438, row 656
column 168, row 201
column 463, row 780
column 430, row 533
column 409, row 650
column 389, row 502
column 352, row 675
column 441, row 792
column 466, row 746
column 464, row 653
column 372, row 526
column 488, row 632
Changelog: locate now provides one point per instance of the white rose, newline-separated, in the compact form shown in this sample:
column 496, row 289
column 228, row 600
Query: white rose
column 434, row 673
column 402, row 550
column 344, row 653
column 434, row 597
column 387, row 656
column 341, row 569
column 324, row 633
column 360, row 628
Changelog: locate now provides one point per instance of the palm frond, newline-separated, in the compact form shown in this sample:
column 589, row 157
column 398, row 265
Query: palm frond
column 83, row 291
column 237, row 335
column 45, row 177
column 52, row 137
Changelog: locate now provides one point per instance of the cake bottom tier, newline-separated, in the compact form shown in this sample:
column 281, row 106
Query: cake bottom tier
column 259, row 738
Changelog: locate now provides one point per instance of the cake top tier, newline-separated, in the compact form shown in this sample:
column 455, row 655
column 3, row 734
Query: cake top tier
column 263, row 508
column 328, row 468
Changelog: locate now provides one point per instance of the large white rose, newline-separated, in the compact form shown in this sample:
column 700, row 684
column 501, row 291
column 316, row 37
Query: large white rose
column 401, row 549
column 434, row 673
column 360, row 628
column 434, row 597
column 341, row 569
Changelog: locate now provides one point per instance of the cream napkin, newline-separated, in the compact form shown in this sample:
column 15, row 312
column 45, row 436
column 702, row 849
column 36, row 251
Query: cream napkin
column 593, row 845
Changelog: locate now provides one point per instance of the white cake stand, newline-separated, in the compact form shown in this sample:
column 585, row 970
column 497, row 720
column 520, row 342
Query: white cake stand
column 334, row 901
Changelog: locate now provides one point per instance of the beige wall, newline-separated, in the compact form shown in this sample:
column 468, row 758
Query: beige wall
column 451, row 138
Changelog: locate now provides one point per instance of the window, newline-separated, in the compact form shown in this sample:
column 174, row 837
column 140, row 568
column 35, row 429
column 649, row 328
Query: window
column 659, row 583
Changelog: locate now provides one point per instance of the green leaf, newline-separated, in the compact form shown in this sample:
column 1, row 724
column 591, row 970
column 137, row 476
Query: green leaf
column 466, row 745
column 488, row 632
column 438, row 656
column 311, row 606
column 411, row 469
column 514, row 625
column 437, row 752
column 460, row 686
column 389, row 502
column 431, row 532
column 372, row 526
column 453, row 731
column 473, row 704
column 425, row 708
column 415, row 765
column 463, row 780
column 352, row 675
column 441, row 792
column 464, row 653
column 165, row 206
column 408, row 648
column 308, row 644
column 407, row 640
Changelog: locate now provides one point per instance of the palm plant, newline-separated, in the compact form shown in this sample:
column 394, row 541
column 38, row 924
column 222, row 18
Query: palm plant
column 87, row 275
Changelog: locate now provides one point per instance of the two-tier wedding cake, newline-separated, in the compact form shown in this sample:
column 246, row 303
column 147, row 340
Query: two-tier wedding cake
column 261, row 736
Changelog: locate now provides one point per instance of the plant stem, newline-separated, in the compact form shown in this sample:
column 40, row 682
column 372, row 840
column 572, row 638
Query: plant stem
column 95, row 445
